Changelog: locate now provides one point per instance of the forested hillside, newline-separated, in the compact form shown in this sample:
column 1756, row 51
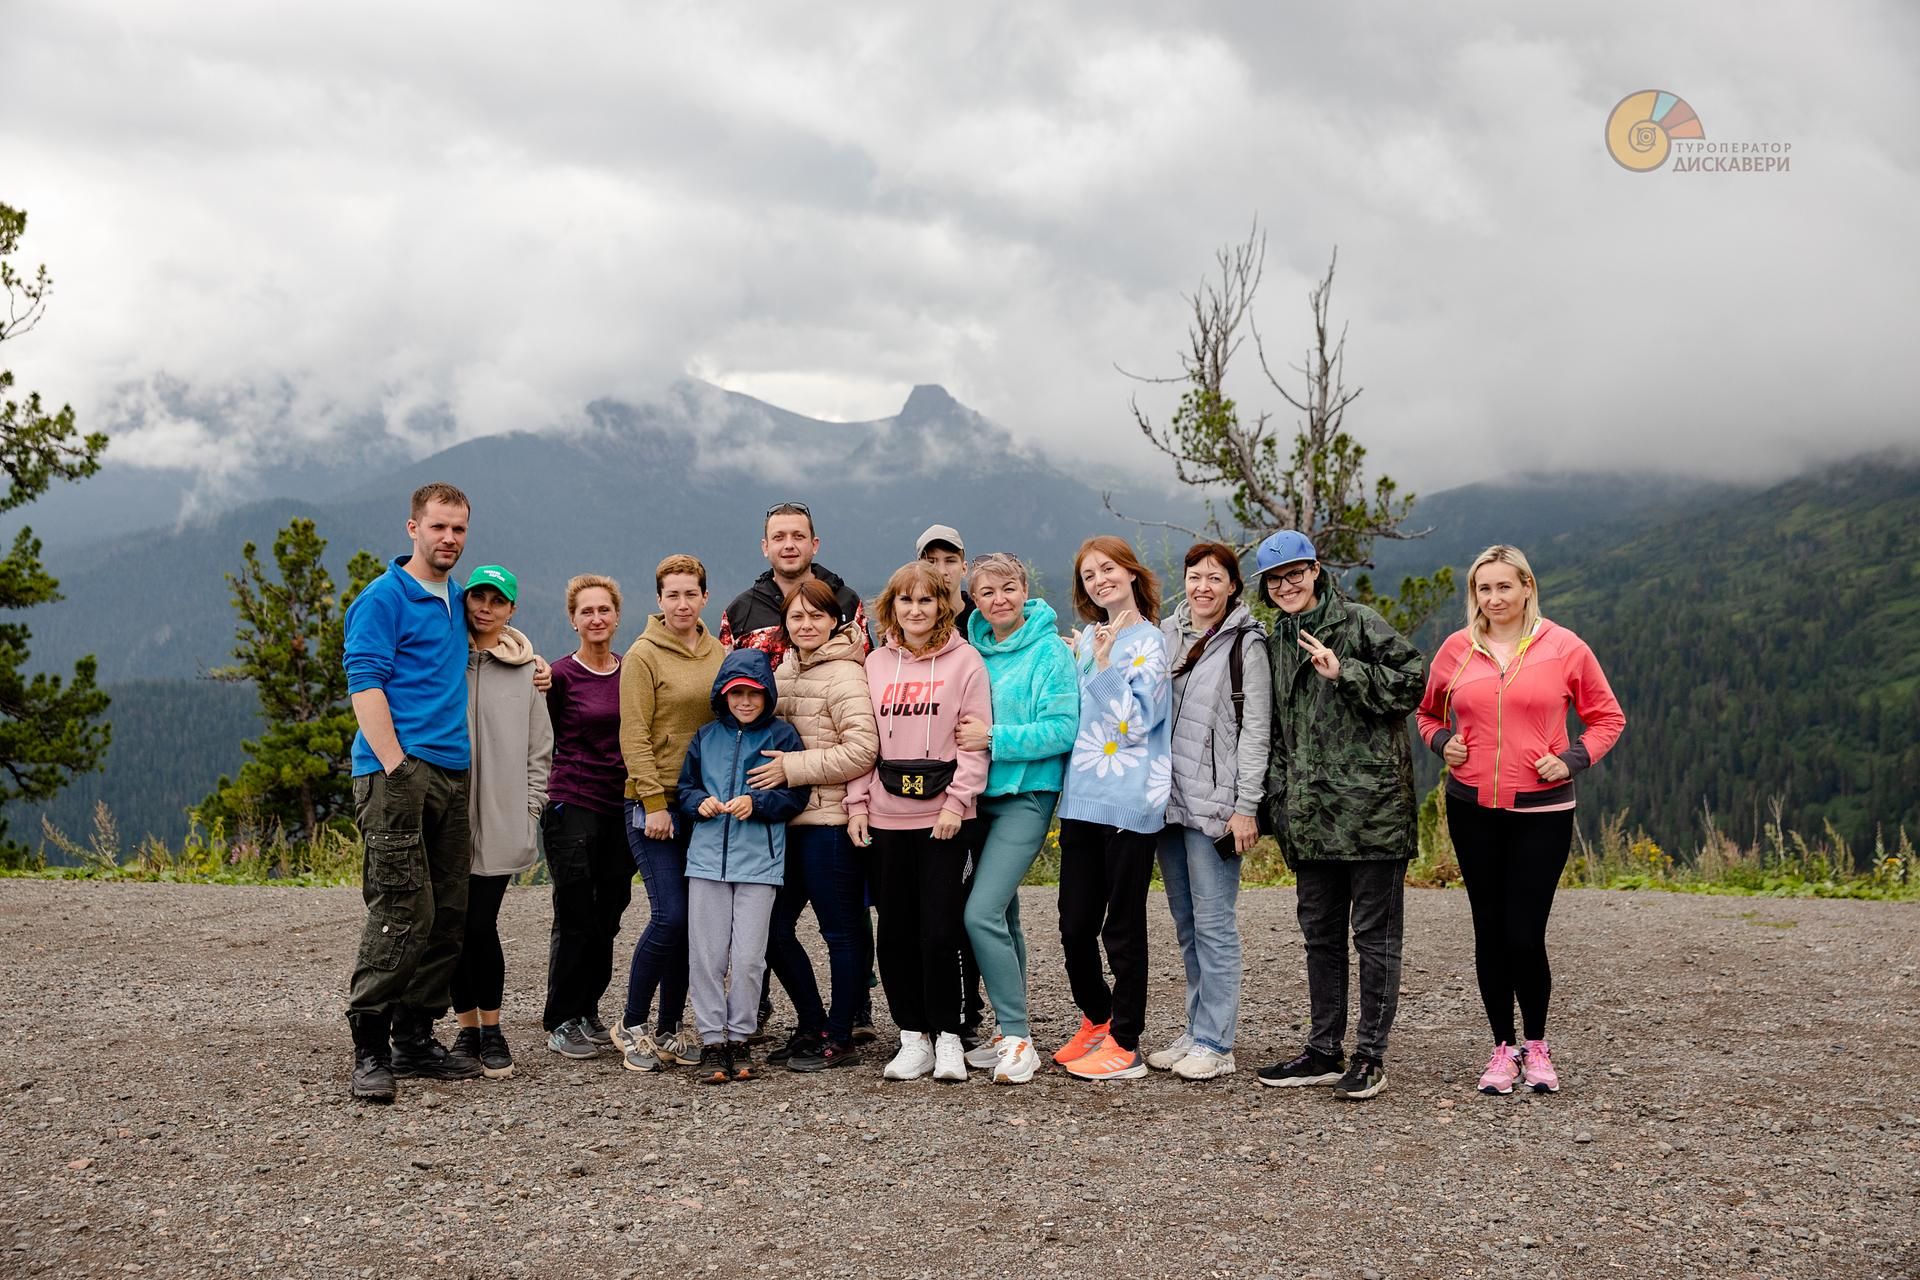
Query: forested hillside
column 172, row 739
column 1767, row 647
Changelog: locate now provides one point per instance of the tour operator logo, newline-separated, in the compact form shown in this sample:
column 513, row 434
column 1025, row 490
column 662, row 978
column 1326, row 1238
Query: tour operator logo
column 1646, row 129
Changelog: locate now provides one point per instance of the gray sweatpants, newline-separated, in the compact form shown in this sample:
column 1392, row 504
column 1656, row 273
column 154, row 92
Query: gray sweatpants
column 726, row 926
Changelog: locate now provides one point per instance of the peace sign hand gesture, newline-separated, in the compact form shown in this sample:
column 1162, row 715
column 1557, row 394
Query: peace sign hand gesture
column 1324, row 660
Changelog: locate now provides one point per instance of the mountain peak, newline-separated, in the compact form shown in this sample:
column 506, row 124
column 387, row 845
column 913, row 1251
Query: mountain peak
column 928, row 400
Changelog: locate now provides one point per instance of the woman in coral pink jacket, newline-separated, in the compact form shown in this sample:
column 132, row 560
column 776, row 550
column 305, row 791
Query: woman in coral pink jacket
column 1496, row 711
column 924, row 678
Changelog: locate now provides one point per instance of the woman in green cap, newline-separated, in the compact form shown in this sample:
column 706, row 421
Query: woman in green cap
column 512, row 753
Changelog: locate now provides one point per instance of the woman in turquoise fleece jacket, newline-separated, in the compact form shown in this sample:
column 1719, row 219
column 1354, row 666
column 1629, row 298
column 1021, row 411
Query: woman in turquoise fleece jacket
column 1036, row 708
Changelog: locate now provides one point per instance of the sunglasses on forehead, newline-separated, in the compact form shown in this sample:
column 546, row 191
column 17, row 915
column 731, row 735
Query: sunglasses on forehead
column 790, row 509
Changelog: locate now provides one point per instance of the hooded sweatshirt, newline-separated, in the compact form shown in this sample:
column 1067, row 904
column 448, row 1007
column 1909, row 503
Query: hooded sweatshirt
column 716, row 765
column 665, row 696
column 1121, row 770
column 512, row 753
column 918, row 702
column 824, row 696
column 1036, row 701
column 1512, row 718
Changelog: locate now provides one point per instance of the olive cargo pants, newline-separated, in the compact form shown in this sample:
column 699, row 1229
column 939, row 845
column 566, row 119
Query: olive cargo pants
column 413, row 823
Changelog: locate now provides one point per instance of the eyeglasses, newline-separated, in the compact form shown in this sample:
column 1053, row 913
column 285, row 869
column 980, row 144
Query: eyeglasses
column 790, row 509
column 1288, row 578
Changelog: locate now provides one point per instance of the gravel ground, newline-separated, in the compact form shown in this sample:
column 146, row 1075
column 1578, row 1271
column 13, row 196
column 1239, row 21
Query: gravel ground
column 1741, row 1079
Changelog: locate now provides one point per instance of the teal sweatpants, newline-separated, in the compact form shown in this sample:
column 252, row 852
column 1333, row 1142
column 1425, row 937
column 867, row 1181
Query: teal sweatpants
column 1018, row 827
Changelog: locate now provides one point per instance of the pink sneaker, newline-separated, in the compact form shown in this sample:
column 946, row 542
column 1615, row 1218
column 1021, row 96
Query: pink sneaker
column 1537, row 1066
column 1503, row 1070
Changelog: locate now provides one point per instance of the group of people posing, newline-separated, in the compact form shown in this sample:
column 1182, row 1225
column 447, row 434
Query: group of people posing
column 805, row 758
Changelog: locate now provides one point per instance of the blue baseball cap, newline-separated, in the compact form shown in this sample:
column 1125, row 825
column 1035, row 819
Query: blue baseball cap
column 1289, row 546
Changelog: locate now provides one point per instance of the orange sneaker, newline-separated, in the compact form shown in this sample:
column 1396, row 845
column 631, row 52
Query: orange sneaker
column 1082, row 1041
column 1108, row 1061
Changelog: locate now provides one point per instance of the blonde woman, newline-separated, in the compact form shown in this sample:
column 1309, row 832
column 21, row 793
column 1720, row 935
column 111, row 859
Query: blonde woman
column 1496, row 711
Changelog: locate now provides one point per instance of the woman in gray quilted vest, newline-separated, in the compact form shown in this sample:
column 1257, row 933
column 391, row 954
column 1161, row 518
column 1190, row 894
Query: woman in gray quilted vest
column 1221, row 711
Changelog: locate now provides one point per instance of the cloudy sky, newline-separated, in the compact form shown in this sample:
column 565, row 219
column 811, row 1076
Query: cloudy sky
column 286, row 218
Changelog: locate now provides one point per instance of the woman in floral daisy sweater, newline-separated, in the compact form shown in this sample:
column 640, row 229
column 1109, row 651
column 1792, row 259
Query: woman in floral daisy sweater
column 1112, row 806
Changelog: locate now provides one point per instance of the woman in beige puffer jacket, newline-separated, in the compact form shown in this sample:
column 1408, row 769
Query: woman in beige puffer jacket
column 822, row 691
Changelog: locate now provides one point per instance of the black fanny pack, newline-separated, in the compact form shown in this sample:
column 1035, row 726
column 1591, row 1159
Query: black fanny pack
column 915, row 779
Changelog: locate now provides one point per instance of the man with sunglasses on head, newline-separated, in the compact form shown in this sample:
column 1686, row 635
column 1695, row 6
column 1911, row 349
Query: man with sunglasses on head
column 789, row 543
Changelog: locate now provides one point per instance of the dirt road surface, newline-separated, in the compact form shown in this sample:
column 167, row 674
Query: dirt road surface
column 1742, row 1078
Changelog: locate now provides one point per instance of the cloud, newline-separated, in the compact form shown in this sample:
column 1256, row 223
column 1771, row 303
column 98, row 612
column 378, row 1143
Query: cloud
column 277, row 229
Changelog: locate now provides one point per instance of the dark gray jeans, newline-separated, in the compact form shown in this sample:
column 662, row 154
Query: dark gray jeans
column 414, row 880
column 1372, row 895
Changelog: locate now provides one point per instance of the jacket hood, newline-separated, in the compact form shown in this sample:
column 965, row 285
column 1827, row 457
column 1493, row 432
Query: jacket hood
column 843, row 644
column 1041, row 623
column 756, row 666
column 954, row 641
column 661, row 636
column 1237, row 616
column 512, row 648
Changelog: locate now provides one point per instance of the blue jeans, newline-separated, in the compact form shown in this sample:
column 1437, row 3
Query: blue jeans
column 1203, row 892
column 1017, row 828
column 660, row 957
column 824, row 869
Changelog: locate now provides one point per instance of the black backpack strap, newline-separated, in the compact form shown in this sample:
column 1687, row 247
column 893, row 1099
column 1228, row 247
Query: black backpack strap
column 1236, row 673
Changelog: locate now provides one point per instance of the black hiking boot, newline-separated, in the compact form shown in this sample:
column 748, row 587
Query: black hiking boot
column 417, row 1055
column 372, row 1060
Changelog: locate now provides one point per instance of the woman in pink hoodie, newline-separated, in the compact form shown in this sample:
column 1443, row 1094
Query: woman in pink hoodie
column 1496, row 711
column 907, row 813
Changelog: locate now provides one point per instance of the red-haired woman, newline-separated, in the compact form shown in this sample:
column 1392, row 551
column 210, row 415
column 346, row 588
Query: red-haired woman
column 1112, row 806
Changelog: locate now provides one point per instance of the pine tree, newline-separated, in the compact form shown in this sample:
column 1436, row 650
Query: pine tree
column 49, row 728
column 288, row 644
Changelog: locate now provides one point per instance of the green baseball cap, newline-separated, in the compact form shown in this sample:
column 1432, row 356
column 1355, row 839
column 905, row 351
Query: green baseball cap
column 492, row 575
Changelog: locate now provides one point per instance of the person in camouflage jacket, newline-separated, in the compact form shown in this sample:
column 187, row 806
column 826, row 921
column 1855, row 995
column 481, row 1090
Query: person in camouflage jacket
column 1339, row 800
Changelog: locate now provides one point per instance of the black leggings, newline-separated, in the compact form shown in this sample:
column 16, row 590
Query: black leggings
column 480, row 979
column 1511, row 861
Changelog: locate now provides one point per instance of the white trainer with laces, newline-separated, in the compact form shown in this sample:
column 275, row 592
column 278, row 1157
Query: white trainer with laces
column 914, row 1060
column 1164, row 1060
column 1019, row 1061
column 986, row 1054
column 949, row 1058
column 1204, row 1064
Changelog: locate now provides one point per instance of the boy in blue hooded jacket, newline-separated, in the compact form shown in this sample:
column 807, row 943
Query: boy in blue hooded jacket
column 736, row 861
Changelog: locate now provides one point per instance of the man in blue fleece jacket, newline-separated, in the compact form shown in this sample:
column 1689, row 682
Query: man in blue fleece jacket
column 406, row 660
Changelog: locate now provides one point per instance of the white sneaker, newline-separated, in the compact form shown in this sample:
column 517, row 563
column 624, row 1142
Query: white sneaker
column 1019, row 1061
column 1204, row 1064
column 1164, row 1060
column 949, row 1059
column 914, row 1060
column 985, row 1054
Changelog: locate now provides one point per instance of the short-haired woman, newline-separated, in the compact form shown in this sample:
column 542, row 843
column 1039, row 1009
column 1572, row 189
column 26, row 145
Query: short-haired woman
column 1112, row 806
column 909, row 808
column 1222, row 707
column 1340, row 797
column 1495, row 711
column 512, row 752
column 823, row 694
column 666, row 690
column 1036, row 708
column 587, row 854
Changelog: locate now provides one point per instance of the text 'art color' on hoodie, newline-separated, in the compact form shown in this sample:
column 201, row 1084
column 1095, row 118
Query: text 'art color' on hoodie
column 918, row 702
column 717, row 762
